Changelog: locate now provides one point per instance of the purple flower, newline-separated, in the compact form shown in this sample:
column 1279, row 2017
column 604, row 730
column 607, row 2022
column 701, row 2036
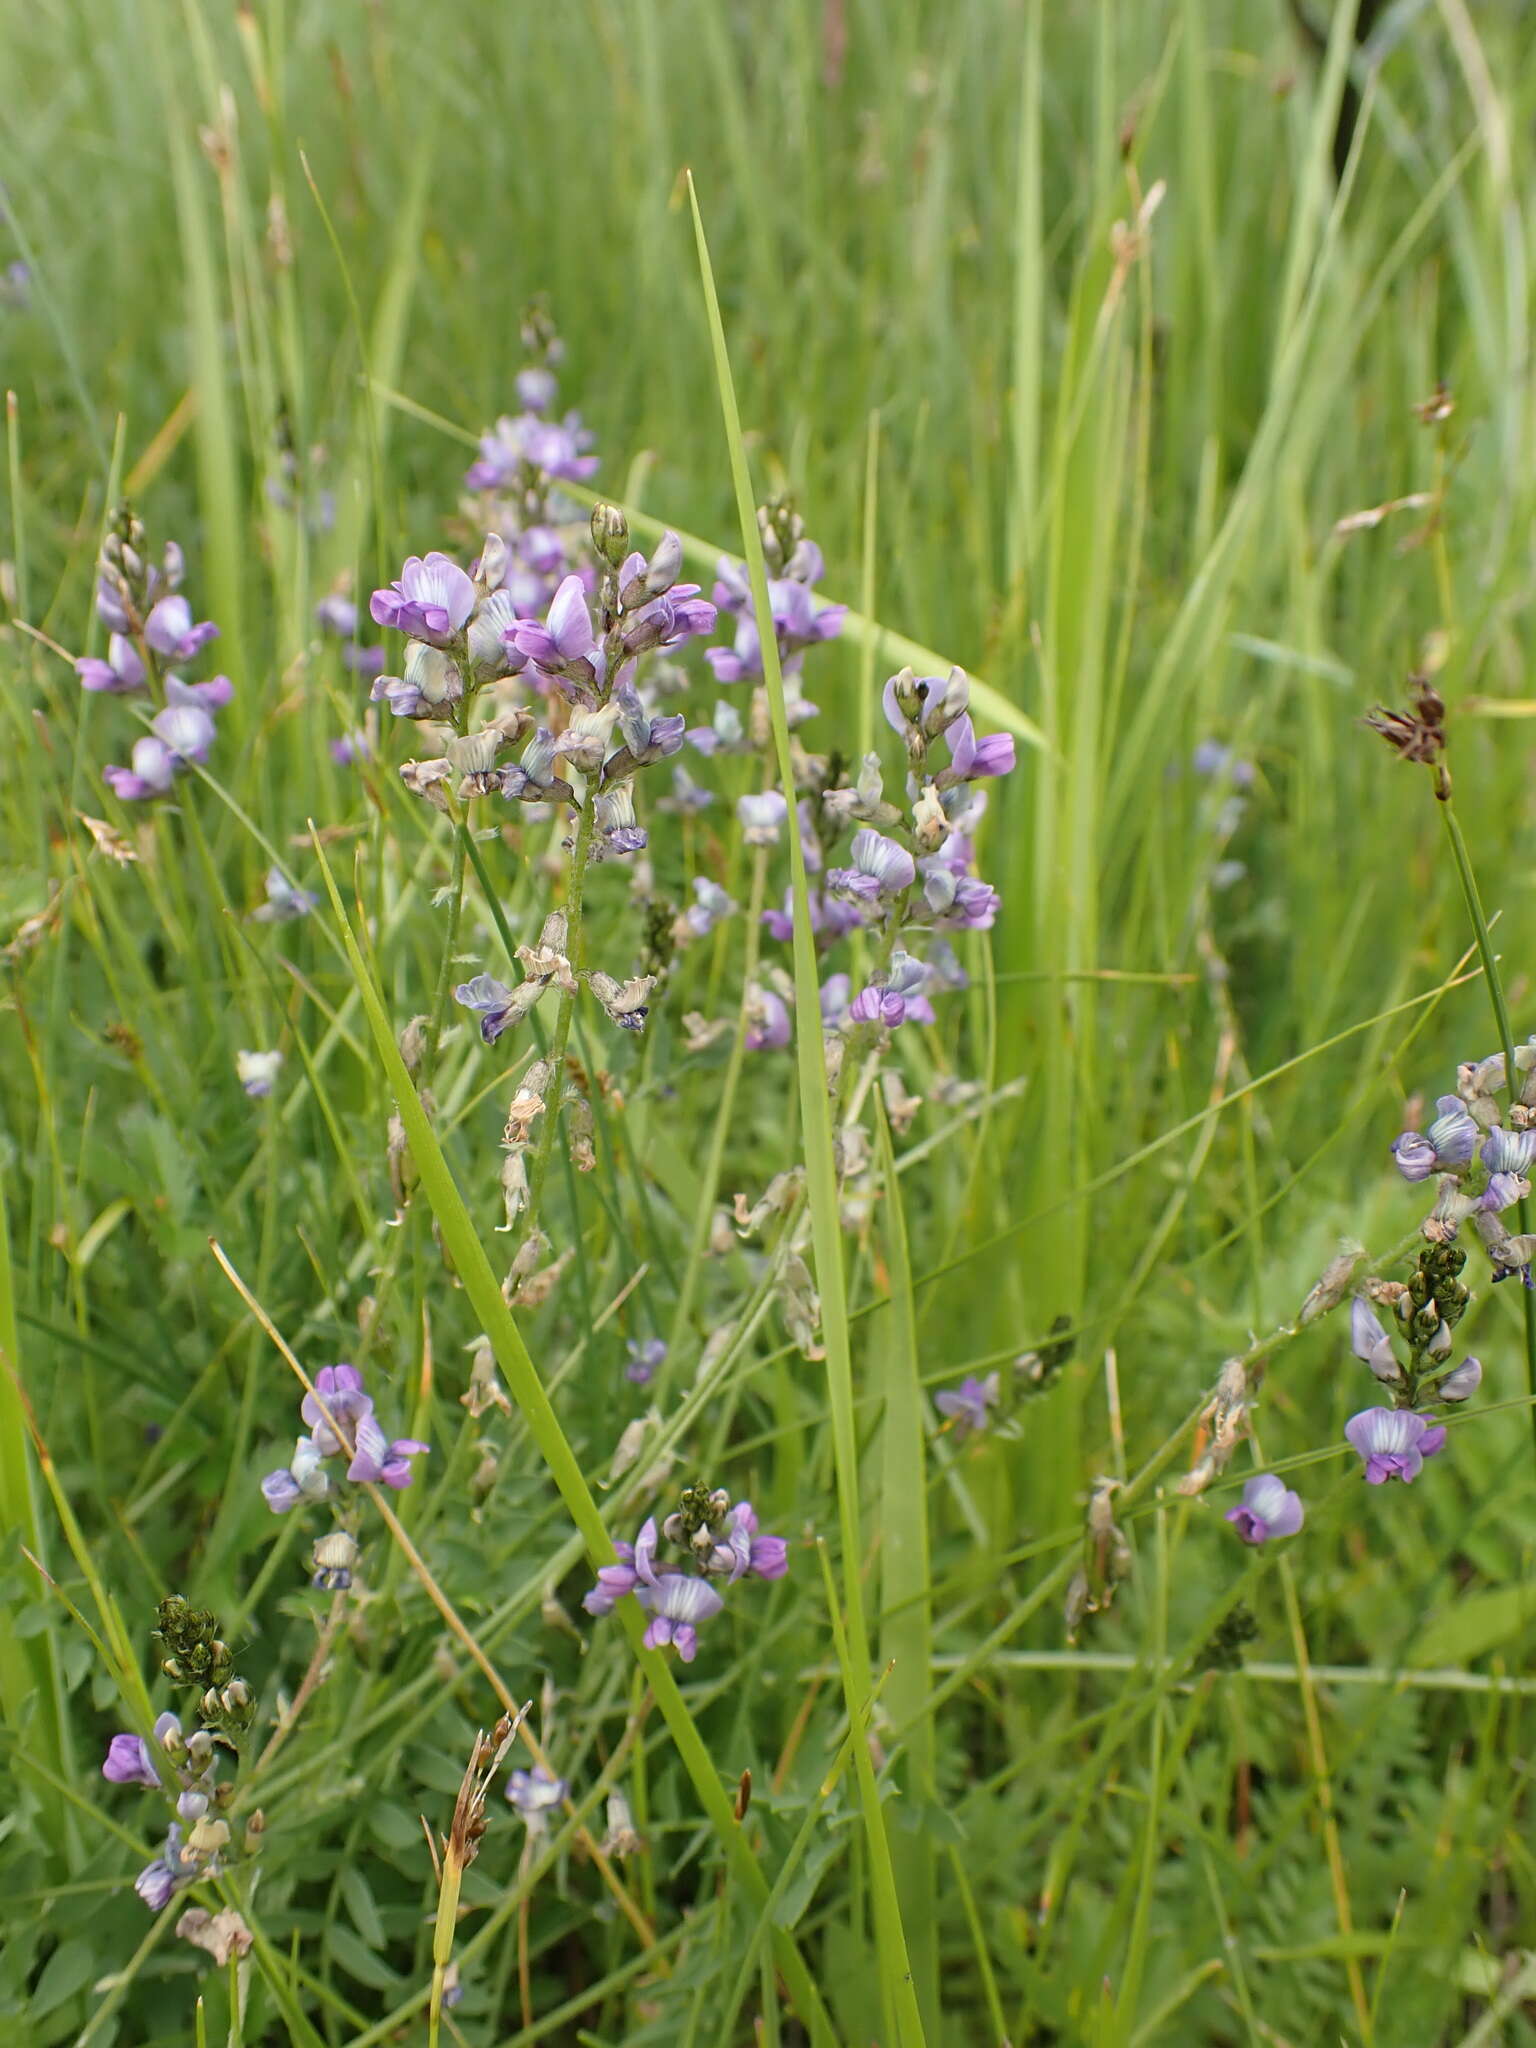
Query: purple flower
column 970, row 758
column 752, row 1555
column 258, row 1071
column 536, row 388
column 614, row 1581
column 379, row 1461
column 970, row 1404
column 339, row 1397
column 534, row 1793
column 798, row 621
column 303, row 1480
column 1269, row 1508
column 556, row 447
column 566, row 634
column 1394, row 1442
column 834, row 1000
column 876, row 1005
column 552, row 446
column 210, row 696
column 186, row 730
column 285, row 900
column 431, row 600
column 644, row 1360
column 1459, row 1385
column 677, row 1602
column 155, row 1884
column 120, row 674
column 351, row 748
column 170, row 631
column 880, row 868
column 129, row 1762
column 1449, row 1142
column 152, row 773
column 493, row 1001
column 762, row 815
column 1370, row 1342
column 896, row 996
column 1212, row 758
column 768, row 1025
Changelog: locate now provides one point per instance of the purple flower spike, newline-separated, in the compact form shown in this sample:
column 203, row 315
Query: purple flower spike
column 969, row 1406
column 1394, row 1442
column 678, row 1604
column 431, row 600
column 1269, row 1508
column 120, row 674
column 170, row 631
column 129, row 1762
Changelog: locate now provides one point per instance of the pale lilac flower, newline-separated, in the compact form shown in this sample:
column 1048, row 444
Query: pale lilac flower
column 970, row 758
column 1212, row 758
column 768, row 1025
column 285, row 900
column 750, row 1555
column 535, row 1793
column 186, row 730
column 557, row 447
column 431, row 600
column 1370, row 1342
column 832, row 918
column 688, row 797
column 258, row 1071
column 645, row 1360
column 881, row 868
column 798, row 622
column 210, row 696
column 1507, row 1156
column 493, row 1002
column 835, row 993
column 152, row 773
column 677, row 1602
column 762, row 815
column 566, row 634
column 1394, row 1442
column 536, row 388
column 129, row 1762
column 339, row 1397
column 337, row 614
column 170, row 1872
column 351, row 748
column 170, row 631
column 645, row 739
column 1447, row 1145
column 119, row 675
column 614, row 1581
column 304, row 1479
column 970, row 1404
column 712, row 904
column 896, row 996
column 724, row 734
column 1461, row 1384
column 1268, row 1508
column 492, row 653
column 377, row 1460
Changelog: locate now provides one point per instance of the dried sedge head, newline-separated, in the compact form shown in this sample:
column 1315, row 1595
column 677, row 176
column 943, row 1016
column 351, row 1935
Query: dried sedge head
column 1417, row 734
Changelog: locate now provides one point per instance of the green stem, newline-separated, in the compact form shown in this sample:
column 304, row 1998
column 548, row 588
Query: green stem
column 556, row 1054
column 1491, row 976
column 450, row 947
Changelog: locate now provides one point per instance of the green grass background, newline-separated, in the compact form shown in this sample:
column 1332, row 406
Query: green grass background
column 1106, row 480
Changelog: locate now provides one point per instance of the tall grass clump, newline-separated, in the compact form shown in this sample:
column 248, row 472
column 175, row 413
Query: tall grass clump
column 765, row 1227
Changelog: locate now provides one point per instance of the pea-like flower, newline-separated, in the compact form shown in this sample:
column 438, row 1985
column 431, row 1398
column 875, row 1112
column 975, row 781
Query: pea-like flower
column 925, row 705
column 1394, row 1442
column 130, row 1759
column 535, row 1794
column 881, row 868
column 969, row 1406
column 762, row 815
column 1268, row 1508
column 1370, row 1342
column 768, row 1021
column 1445, row 1147
column 644, row 1360
column 971, row 758
column 285, row 900
column 170, row 630
column 120, row 675
column 258, row 1071
column 431, row 600
column 678, row 1602
column 1461, row 1384
column 379, row 1460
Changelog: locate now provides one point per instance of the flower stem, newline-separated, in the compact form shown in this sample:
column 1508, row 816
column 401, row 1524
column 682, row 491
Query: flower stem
column 450, row 947
column 1492, row 977
column 556, row 1054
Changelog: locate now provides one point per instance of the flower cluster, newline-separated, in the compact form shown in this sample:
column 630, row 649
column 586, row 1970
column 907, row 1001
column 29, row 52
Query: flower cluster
column 720, row 1540
column 185, row 1765
column 341, row 1421
column 1394, row 1442
column 1479, row 1152
column 151, row 634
